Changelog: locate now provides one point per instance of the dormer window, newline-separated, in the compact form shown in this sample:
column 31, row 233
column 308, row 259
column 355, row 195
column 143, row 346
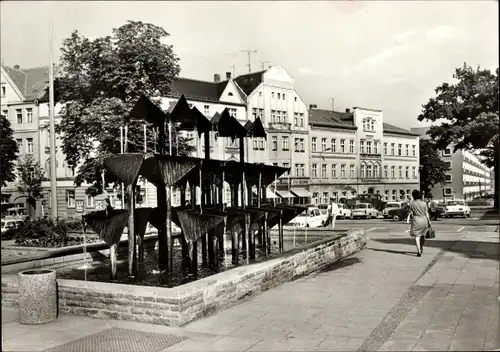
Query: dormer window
column 230, row 94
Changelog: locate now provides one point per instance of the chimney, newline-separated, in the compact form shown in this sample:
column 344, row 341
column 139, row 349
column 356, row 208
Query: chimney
column 216, row 78
column 313, row 106
column 228, row 75
column 16, row 67
column 348, row 110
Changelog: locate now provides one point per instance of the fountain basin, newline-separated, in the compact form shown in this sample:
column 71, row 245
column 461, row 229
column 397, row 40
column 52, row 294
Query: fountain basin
column 180, row 305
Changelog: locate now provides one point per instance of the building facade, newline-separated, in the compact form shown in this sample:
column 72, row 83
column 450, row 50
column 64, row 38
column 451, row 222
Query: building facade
column 271, row 95
column 467, row 176
column 356, row 152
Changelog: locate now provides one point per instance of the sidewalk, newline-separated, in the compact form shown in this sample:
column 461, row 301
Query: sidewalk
column 383, row 298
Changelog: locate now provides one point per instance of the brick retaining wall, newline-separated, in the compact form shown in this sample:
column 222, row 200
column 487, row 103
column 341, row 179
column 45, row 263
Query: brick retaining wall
column 182, row 304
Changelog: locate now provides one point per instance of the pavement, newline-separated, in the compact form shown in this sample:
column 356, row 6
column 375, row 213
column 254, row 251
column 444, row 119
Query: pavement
column 384, row 298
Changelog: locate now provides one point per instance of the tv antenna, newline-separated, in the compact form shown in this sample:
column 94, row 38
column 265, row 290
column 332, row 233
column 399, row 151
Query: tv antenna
column 233, row 66
column 263, row 63
column 249, row 53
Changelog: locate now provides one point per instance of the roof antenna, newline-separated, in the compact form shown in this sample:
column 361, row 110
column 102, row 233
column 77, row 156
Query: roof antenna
column 263, row 63
column 249, row 53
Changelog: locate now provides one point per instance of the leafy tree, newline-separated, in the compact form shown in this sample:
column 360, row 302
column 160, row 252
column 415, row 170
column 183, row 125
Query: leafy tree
column 8, row 150
column 99, row 83
column 469, row 109
column 31, row 176
column 432, row 167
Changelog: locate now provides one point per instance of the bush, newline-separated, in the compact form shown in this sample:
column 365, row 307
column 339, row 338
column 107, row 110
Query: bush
column 48, row 234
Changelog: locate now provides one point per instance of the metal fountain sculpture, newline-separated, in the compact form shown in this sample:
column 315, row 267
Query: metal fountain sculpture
column 206, row 220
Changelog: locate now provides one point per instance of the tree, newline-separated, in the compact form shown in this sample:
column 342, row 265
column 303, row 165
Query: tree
column 432, row 167
column 100, row 81
column 469, row 109
column 31, row 176
column 8, row 152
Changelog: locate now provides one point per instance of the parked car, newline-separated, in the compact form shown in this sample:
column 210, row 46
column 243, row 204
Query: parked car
column 364, row 210
column 344, row 212
column 10, row 224
column 399, row 214
column 481, row 201
column 389, row 206
column 456, row 207
column 311, row 217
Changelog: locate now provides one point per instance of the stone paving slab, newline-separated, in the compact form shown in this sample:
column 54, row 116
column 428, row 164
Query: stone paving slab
column 383, row 298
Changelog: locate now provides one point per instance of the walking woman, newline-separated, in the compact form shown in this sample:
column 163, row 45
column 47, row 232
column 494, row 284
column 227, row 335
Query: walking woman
column 420, row 221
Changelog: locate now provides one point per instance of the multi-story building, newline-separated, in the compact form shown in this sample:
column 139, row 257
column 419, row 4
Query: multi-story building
column 356, row 152
column 20, row 91
column 466, row 178
column 271, row 95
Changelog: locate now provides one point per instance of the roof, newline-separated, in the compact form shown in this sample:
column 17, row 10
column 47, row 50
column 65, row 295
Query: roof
column 250, row 81
column 31, row 81
column 388, row 128
column 196, row 89
column 329, row 118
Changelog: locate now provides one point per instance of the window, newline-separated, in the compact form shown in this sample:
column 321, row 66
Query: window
column 301, row 118
column 3, row 91
column 283, row 96
column 302, row 168
column 90, row 201
column 261, row 144
column 385, row 148
column 19, row 115
column 333, row 145
column 190, row 105
column 369, row 171
column 446, row 152
column 407, row 172
column 372, row 125
column 414, row 171
column 232, row 112
column 260, row 94
column 386, row 195
column 362, row 147
column 393, row 171
column 351, row 146
column 368, row 147
column 386, row 171
column 255, row 144
column 414, row 150
column 279, row 96
column 284, row 143
column 295, row 98
column 351, row 171
column 261, row 113
column 323, row 171
column 342, row 171
column 407, row 150
column 448, row 164
column 447, row 191
column 393, row 194
column 392, row 148
column 206, row 110
column 313, row 144
column 363, row 171
column 230, row 94
column 325, row 197
column 297, row 169
column 342, row 145
column 29, row 145
column 447, row 178
column 314, row 170
column 29, row 115
column 296, row 119
column 70, row 198
column 5, row 113
column 315, row 197
column 274, row 143
column 375, row 147
column 400, row 172
column 323, row 144
column 286, row 165
column 400, row 149
column 334, row 170
column 19, row 143
column 375, row 170
column 364, row 124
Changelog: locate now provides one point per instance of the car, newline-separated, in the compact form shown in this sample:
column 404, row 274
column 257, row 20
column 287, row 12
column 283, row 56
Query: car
column 344, row 212
column 311, row 217
column 364, row 210
column 10, row 224
column 389, row 206
column 456, row 207
column 398, row 214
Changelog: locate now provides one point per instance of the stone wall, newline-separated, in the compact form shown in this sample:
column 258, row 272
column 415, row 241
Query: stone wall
column 180, row 305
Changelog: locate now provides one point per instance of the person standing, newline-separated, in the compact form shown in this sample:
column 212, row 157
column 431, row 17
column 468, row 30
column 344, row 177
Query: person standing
column 419, row 220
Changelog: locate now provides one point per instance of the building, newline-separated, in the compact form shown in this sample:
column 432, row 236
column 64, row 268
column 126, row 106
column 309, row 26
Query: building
column 357, row 152
column 20, row 91
column 467, row 177
column 271, row 95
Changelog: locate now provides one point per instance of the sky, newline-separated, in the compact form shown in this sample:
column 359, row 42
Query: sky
column 387, row 55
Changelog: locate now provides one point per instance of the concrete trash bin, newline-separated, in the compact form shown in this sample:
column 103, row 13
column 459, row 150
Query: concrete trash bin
column 37, row 296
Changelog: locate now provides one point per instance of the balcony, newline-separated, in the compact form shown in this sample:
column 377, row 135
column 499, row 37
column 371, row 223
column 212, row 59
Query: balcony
column 280, row 126
column 366, row 156
column 370, row 179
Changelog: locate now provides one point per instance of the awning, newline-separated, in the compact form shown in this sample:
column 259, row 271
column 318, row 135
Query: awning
column 284, row 194
column 301, row 192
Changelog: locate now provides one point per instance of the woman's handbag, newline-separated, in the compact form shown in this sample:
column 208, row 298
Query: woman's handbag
column 430, row 233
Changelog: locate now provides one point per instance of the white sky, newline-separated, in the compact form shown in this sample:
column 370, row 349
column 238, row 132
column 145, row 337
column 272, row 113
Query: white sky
column 382, row 55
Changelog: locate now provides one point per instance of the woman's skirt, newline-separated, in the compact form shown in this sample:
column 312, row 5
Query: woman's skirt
column 419, row 226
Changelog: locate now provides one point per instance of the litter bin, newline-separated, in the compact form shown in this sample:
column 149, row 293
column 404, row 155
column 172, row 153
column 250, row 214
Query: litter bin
column 37, row 296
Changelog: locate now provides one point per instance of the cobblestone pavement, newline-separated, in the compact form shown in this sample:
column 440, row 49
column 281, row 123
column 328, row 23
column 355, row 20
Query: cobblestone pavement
column 383, row 298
